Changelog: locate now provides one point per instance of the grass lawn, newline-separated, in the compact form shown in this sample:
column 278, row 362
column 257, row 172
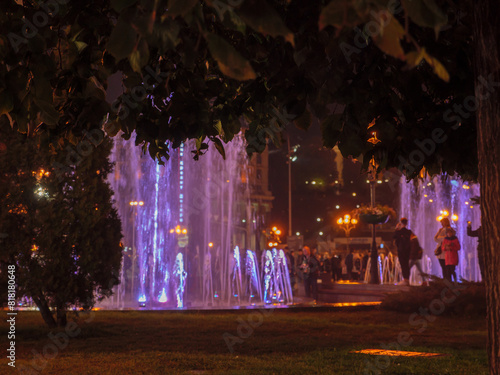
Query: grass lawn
column 282, row 342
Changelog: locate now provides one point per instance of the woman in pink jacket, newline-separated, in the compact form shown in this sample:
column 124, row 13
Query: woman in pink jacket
column 450, row 249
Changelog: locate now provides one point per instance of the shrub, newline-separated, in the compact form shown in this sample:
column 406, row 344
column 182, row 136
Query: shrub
column 470, row 301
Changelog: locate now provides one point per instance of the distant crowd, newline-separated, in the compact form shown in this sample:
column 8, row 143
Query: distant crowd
column 307, row 266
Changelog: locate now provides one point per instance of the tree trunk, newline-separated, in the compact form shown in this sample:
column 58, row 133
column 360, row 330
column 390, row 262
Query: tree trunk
column 61, row 317
column 45, row 311
column 487, row 69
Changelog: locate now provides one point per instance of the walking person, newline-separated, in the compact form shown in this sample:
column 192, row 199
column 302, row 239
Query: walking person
column 439, row 237
column 402, row 238
column 310, row 272
column 349, row 264
column 300, row 259
column 451, row 245
column 416, row 253
column 291, row 266
column 336, row 268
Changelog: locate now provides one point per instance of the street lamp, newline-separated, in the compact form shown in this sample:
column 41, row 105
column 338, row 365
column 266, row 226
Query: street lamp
column 347, row 224
column 134, row 251
column 445, row 214
column 181, row 234
column 274, row 238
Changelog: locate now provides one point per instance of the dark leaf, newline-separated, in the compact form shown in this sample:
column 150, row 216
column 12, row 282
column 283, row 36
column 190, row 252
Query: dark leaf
column 263, row 18
column 139, row 56
column 119, row 5
column 425, row 13
column 331, row 128
column 389, row 38
column 230, row 62
column 340, row 13
column 304, row 121
column 180, row 7
column 49, row 114
column 219, row 146
column 122, row 40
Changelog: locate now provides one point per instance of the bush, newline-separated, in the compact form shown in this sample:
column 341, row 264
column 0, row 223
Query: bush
column 470, row 298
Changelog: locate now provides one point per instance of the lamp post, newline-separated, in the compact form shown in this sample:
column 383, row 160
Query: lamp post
column 347, row 224
column 134, row 204
column 290, row 159
column 374, row 277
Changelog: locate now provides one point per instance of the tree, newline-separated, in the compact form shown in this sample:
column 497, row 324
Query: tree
column 487, row 67
column 63, row 232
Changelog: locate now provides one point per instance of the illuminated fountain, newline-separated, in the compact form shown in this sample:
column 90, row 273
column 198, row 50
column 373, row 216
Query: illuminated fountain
column 275, row 277
column 182, row 225
column 253, row 283
column 236, row 288
column 423, row 202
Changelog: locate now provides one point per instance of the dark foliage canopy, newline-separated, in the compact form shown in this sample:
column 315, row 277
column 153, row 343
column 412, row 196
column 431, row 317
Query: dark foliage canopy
column 206, row 70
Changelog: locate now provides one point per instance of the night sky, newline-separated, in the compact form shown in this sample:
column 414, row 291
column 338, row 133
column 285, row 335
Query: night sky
column 318, row 164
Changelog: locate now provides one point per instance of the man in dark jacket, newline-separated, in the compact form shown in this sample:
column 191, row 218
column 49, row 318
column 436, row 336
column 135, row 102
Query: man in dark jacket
column 349, row 264
column 310, row 272
column 402, row 238
column 291, row 265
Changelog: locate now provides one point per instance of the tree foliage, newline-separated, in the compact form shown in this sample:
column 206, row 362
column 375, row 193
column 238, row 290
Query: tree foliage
column 63, row 234
column 206, row 70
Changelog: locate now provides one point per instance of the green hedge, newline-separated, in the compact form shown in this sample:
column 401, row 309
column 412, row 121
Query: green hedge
column 463, row 299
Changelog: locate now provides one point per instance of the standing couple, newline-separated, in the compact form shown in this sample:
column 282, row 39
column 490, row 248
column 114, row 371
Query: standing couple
column 410, row 252
column 447, row 249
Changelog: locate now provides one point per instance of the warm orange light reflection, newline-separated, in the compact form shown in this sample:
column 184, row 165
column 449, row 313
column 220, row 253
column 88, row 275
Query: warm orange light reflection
column 398, row 353
column 352, row 304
